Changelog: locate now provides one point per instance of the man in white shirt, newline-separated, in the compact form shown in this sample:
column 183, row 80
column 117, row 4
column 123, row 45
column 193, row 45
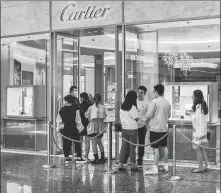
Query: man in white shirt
column 142, row 106
column 159, row 111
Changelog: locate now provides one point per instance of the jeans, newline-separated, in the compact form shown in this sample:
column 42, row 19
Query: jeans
column 141, row 139
column 128, row 150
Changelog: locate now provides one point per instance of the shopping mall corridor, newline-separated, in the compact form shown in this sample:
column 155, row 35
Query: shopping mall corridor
column 23, row 173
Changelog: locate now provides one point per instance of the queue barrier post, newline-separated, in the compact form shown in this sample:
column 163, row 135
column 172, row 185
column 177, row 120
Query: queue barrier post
column 48, row 165
column 109, row 135
column 174, row 177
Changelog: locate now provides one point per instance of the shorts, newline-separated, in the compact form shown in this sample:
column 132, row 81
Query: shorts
column 154, row 136
column 194, row 146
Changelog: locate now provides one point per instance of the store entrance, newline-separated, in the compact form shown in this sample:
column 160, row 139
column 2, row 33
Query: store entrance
column 87, row 59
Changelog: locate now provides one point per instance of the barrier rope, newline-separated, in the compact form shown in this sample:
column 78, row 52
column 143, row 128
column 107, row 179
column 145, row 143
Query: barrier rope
column 197, row 144
column 78, row 141
column 142, row 145
column 56, row 142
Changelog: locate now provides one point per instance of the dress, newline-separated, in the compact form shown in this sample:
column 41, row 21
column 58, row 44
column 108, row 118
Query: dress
column 199, row 121
column 96, row 116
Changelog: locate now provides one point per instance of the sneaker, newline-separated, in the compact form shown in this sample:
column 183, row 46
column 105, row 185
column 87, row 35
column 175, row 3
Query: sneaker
column 164, row 170
column 67, row 161
column 207, row 168
column 118, row 165
column 152, row 172
column 140, row 165
column 80, row 160
column 198, row 170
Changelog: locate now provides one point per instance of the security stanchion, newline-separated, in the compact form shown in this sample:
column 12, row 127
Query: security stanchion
column 174, row 177
column 109, row 135
column 48, row 165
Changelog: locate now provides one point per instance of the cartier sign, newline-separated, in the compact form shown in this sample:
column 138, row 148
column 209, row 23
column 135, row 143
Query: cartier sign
column 70, row 13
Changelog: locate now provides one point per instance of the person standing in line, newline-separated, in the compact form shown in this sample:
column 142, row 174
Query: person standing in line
column 199, row 120
column 129, row 118
column 96, row 115
column 73, row 91
column 159, row 112
column 142, row 106
column 85, row 104
column 69, row 116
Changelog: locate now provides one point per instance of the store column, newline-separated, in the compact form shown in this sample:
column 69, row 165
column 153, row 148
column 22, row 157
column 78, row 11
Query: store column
column 99, row 75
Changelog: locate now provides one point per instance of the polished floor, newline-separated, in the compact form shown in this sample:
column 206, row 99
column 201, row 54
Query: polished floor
column 23, row 174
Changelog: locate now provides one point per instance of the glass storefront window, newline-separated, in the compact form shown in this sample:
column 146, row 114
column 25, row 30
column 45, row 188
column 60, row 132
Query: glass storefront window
column 24, row 63
column 184, row 56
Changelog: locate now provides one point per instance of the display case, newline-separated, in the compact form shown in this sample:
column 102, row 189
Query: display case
column 180, row 97
column 25, row 121
column 26, row 101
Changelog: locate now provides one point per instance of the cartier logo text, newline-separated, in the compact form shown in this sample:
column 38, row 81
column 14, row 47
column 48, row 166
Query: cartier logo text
column 91, row 12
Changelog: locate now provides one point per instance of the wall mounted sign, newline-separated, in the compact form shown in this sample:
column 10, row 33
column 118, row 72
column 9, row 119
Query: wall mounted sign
column 83, row 14
column 71, row 13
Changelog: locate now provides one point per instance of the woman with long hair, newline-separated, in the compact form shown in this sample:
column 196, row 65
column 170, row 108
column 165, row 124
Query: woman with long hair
column 129, row 118
column 96, row 115
column 199, row 120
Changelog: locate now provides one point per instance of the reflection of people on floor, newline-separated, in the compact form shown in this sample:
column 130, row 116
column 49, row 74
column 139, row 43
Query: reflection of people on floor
column 96, row 115
column 159, row 111
column 199, row 120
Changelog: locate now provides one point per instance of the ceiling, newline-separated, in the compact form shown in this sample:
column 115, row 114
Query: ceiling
column 199, row 38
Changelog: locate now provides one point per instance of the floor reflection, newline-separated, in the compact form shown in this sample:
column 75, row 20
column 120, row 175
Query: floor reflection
column 23, row 174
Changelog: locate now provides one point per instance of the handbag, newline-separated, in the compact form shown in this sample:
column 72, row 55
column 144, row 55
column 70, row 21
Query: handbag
column 118, row 127
column 208, row 135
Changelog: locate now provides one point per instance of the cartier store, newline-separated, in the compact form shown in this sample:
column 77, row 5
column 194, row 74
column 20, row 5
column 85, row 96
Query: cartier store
column 106, row 47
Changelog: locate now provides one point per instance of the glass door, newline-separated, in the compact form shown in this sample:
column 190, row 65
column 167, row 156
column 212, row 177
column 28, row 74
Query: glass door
column 66, row 70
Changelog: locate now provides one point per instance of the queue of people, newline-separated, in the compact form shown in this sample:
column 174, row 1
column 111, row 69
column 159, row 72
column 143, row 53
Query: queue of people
column 87, row 118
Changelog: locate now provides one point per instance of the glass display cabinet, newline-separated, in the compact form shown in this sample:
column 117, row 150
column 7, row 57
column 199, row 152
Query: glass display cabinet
column 25, row 121
column 26, row 101
column 180, row 97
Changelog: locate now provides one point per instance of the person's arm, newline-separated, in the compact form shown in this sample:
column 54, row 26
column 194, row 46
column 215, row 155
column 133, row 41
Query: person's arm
column 58, row 121
column 151, row 110
column 196, row 119
column 134, row 113
column 78, row 121
column 169, row 111
column 87, row 113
